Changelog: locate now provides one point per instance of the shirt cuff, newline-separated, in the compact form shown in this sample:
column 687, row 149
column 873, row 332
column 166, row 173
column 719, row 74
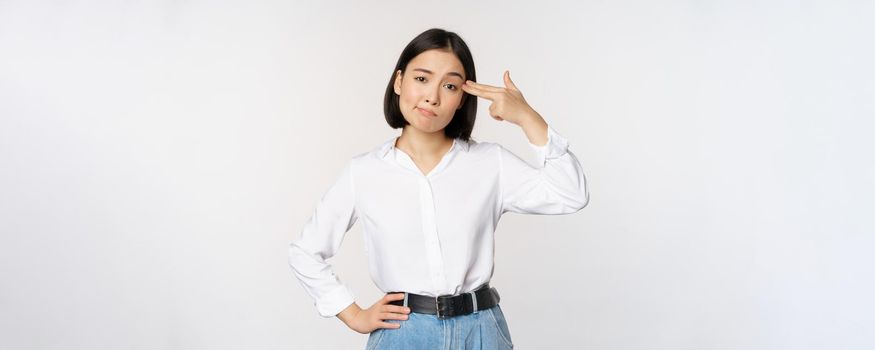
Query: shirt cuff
column 556, row 146
column 331, row 304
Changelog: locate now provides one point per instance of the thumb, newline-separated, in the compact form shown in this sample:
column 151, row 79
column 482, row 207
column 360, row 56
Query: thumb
column 507, row 82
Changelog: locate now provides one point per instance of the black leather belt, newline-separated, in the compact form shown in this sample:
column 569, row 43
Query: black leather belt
column 446, row 306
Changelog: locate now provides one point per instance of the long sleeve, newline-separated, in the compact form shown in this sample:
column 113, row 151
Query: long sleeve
column 320, row 239
column 555, row 185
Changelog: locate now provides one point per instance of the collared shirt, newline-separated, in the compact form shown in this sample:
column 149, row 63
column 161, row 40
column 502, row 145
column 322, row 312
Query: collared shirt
column 430, row 234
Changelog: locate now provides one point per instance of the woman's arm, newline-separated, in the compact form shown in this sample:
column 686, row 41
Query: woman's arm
column 556, row 185
column 320, row 239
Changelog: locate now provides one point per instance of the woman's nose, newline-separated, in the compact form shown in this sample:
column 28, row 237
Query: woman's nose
column 432, row 100
column 432, row 97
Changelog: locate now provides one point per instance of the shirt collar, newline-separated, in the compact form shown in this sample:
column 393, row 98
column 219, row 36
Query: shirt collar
column 389, row 146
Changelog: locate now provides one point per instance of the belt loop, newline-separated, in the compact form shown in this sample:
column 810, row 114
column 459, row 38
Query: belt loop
column 437, row 306
column 405, row 298
column 474, row 300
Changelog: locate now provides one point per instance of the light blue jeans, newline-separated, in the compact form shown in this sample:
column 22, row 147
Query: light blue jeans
column 482, row 330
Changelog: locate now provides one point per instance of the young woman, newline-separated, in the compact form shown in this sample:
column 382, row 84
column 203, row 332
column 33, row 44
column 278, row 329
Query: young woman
column 430, row 200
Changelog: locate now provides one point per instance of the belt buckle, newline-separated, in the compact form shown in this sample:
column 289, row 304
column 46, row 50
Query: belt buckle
column 437, row 307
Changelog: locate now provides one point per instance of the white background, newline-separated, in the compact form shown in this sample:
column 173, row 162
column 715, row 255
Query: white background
column 158, row 157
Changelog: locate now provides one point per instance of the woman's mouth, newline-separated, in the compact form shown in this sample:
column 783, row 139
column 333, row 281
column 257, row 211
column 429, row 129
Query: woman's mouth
column 425, row 112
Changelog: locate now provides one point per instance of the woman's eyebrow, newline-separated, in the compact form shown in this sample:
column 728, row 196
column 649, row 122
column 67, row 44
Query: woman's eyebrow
column 430, row 72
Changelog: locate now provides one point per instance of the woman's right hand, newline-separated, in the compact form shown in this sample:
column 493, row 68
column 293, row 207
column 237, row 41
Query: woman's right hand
column 368, row 320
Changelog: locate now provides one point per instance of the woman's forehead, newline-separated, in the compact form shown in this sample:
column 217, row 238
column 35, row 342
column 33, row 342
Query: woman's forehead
column 438, row 62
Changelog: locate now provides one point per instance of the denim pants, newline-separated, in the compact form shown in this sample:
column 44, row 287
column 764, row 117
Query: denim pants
column 482, row 330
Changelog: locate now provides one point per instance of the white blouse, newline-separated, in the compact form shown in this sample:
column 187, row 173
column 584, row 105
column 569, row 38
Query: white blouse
column 430, row 234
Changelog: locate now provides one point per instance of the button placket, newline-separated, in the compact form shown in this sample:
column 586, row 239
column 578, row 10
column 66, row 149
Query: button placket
column 429, row 230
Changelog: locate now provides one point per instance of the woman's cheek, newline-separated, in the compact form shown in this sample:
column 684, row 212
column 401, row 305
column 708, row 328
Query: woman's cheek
column 457, row 100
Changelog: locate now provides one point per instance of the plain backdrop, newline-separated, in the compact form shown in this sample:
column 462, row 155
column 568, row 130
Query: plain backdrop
column 158, row 157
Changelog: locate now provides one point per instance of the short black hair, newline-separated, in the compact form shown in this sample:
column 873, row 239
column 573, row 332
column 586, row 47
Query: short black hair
column 463, row 121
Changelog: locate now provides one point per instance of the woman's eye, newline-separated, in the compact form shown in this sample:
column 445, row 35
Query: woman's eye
column 450, row 86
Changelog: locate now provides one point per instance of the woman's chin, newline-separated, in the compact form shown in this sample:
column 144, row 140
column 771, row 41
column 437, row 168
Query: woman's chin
column 425, row 128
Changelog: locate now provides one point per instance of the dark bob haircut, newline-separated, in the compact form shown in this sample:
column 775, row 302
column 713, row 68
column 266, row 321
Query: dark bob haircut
column 463, row 121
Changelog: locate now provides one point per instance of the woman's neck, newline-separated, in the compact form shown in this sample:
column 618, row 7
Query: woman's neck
column 421, row 145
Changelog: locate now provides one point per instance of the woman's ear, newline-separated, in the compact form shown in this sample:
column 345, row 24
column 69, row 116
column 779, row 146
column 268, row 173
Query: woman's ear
column 397, row 84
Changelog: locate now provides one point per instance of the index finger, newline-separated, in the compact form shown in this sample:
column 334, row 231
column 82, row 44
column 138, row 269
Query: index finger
column 392, row 297
column 484, row 87
column 479, row 92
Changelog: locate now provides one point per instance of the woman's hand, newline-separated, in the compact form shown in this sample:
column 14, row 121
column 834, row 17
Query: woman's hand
column 507, row 102
column 368, row 320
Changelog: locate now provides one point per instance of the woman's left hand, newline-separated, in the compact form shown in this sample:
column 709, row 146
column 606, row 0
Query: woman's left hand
column 507, row 102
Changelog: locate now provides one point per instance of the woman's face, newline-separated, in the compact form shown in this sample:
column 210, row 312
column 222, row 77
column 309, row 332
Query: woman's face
column 430, row 90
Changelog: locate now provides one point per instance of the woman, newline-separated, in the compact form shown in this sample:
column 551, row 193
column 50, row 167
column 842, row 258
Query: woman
column 430, row 200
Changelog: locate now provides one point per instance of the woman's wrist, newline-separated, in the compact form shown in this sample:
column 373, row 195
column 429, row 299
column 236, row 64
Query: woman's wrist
column 535, row 128
column 349, row 313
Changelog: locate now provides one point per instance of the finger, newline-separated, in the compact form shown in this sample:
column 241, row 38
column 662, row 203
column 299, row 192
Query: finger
column 389, row 325
column 393, row 316
column 396, row 309
column 507, row 82
column 392, row 297
column 484, row 87
column 479, row 92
